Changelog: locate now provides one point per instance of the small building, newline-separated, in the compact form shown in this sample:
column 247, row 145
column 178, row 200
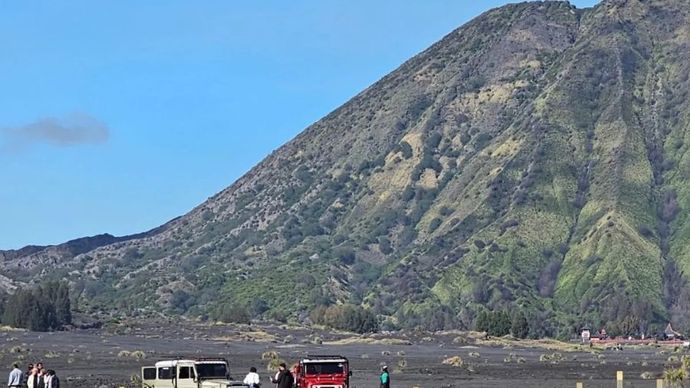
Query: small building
column 602, row 334
column 671, row 334
column 586, row 335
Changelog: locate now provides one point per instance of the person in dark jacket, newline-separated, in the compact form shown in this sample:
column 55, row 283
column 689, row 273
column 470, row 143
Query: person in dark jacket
column 283, row 378
column 54, row 381
column 385, row 378
column 41, row 380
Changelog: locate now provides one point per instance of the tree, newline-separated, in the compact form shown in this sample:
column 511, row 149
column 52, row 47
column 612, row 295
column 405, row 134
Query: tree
column 500, row 324
column 63, row 306
column 482, row 323
column 519, row 327
column 44, row 308
column 181, row 301
column 346, row 254
column 258, row 307
column 494, row 323
column 406, row 149
column 232, row 313
column 629, row 326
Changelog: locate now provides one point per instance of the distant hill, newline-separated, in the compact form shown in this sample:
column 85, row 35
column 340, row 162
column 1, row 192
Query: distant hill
column 534, row 159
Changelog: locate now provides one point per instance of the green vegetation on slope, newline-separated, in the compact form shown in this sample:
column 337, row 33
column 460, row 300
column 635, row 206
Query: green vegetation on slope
column 534, row 160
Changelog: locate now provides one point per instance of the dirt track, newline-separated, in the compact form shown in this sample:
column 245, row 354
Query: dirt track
column 96, row 358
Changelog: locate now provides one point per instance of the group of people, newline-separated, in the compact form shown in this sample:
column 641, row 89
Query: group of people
column 284, row 378
column 36, row 376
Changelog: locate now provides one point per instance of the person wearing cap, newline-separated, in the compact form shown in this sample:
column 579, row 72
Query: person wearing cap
column 283, row 378
column 385, row 377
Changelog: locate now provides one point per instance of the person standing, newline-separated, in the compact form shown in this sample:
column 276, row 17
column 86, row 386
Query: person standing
column 16, row 378
column 252, row 379
column 29, row 368
column 385, row 378
column 284, row 378
column 53, row 381
column 46, row 379
column 41, row 379
column 32, row 377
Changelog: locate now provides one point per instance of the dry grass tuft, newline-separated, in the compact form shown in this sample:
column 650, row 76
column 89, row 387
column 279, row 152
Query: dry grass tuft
column 455, row 361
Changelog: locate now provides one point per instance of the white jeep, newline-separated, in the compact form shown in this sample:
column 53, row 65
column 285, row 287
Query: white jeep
column 188, row 373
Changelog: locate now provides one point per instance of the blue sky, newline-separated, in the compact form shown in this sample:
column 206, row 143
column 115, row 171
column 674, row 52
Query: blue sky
column 120, row 115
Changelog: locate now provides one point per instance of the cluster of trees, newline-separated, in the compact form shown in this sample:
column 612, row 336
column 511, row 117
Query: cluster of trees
column 232, row 313
column 235, row 312
column 499, row 323
column 346, row 317
column 46, row 307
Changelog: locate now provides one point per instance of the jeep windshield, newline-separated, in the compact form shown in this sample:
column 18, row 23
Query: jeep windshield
column 212, row 370
column 324, row 368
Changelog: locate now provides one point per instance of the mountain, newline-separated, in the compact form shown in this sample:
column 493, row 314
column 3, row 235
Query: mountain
column 533, row 159
column 22, row 265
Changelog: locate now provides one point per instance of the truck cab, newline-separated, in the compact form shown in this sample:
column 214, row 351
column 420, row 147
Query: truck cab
column 323, row 372
column 188, row 373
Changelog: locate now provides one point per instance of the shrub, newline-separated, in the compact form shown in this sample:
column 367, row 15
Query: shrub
column 346, row 254
column 408, row 193
column 406, row 149
column 269, row 355
column 434, row 224
column 402, row 364
column 232, row 313
column 124, row 354
column 445, row 211
column 432, row 141
column 455, row 361
column 476, row 82
column 385, row 245
column 646, row 231
column 479, row 244
column 274, row 363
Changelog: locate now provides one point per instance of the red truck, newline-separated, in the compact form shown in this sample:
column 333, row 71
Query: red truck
column 319, row 371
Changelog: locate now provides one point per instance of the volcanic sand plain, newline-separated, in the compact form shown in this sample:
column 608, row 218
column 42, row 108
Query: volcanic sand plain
column 113, row 355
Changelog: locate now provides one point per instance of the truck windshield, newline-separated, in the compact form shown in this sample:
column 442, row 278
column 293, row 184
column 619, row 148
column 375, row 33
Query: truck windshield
column 211, row 370
column 324, row 368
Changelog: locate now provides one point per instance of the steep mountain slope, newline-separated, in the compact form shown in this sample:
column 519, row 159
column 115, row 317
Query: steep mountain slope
column 533, row 158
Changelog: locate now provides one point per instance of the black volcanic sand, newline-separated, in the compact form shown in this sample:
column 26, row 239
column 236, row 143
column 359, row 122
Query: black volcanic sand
column 96, row 358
